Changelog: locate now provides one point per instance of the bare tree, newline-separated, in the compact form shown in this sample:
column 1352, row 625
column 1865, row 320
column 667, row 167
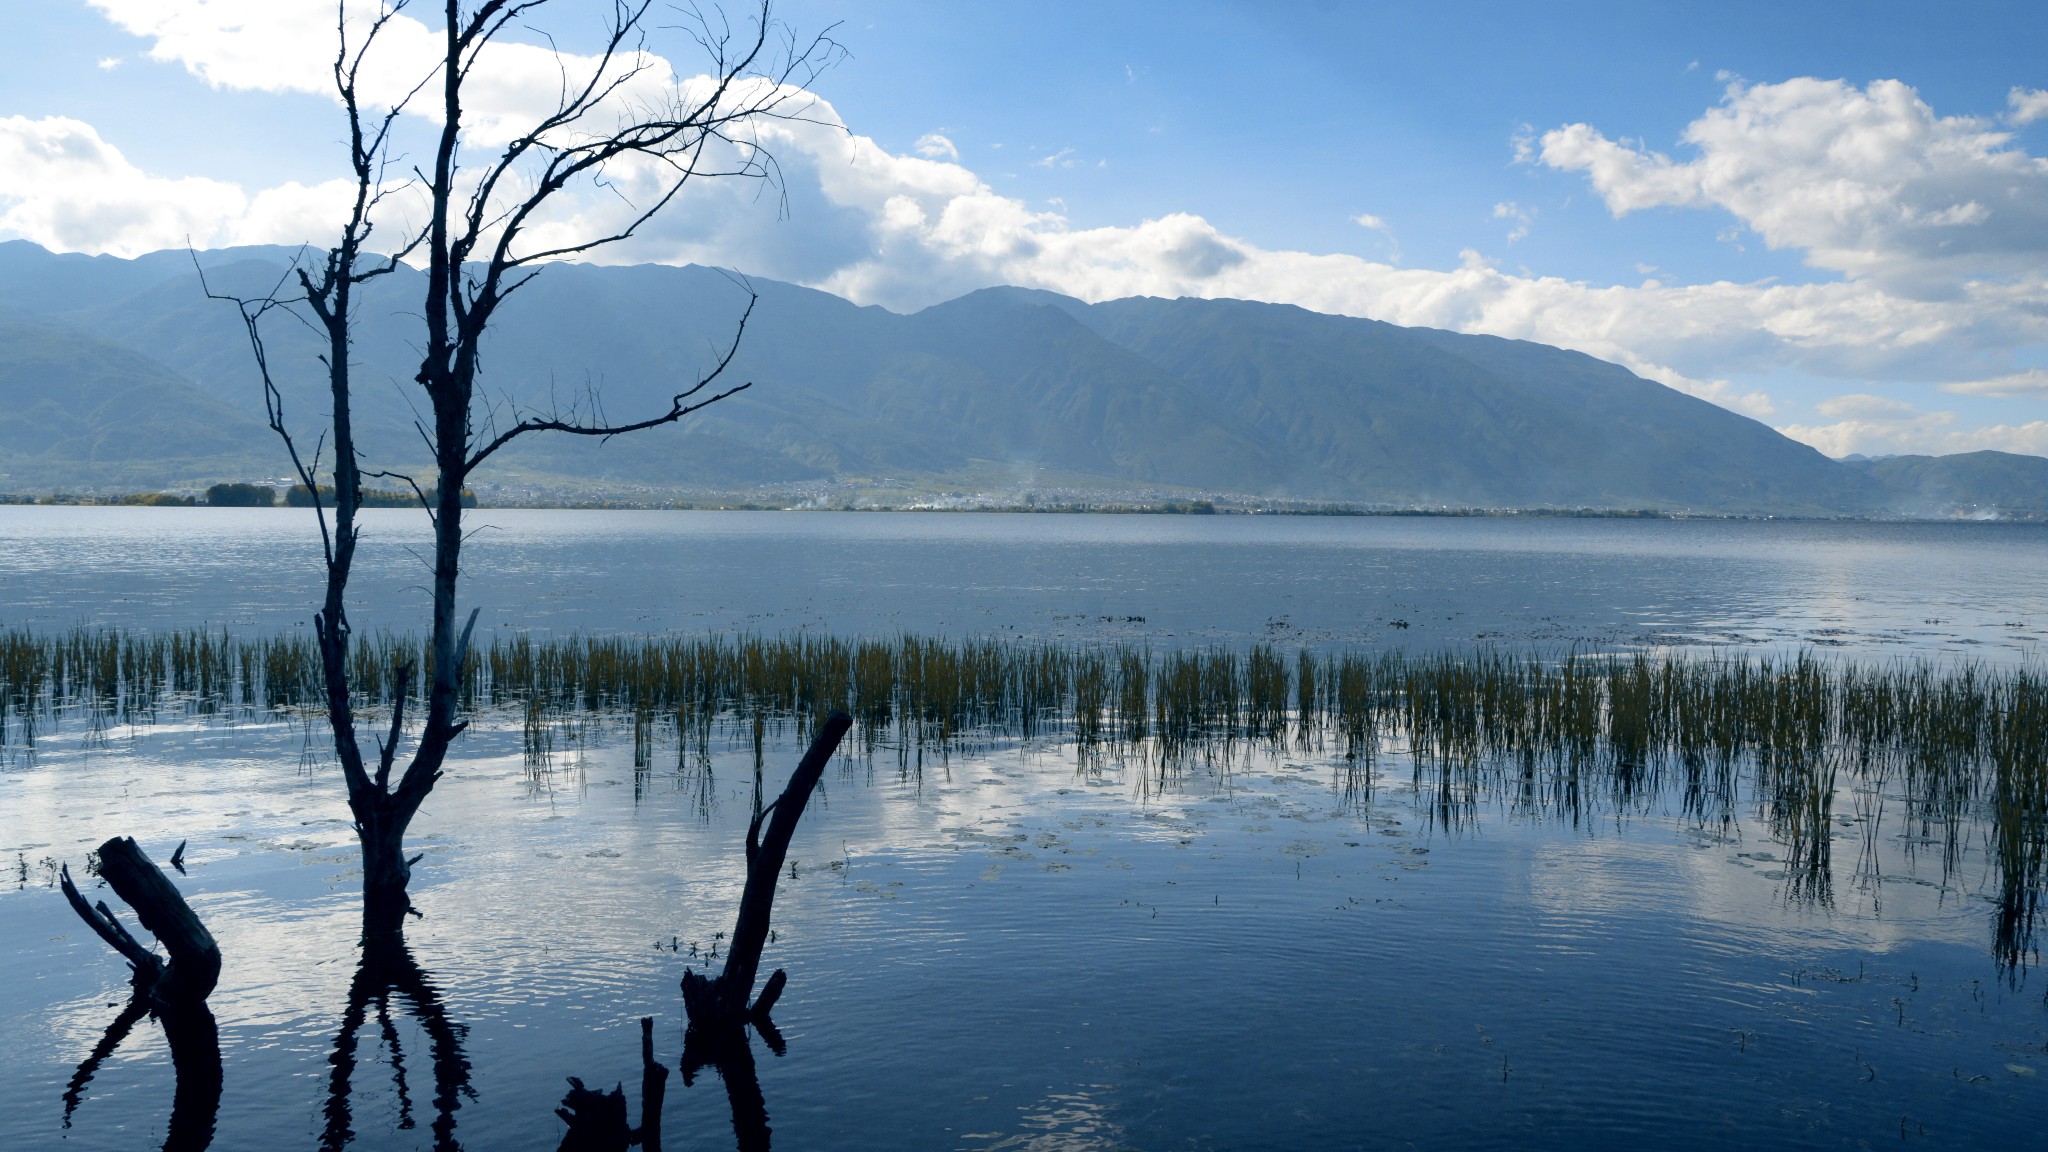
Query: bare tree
column 473, row 246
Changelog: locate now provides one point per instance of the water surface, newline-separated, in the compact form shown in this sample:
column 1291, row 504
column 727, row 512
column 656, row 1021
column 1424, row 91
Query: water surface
column 1970, row 589
column 1012, row 947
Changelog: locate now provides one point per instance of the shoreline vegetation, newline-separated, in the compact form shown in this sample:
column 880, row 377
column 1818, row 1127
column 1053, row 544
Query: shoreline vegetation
column 1819, row 749
column 229, row 496
column 1477, row 702
column 297, row 498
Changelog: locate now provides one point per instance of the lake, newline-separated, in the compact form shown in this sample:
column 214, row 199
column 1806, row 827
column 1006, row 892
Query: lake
column 1008, row 943
column 1875, row 589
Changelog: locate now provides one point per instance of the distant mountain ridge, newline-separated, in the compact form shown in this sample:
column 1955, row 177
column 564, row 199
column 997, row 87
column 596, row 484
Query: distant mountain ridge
column 1965, row 484
column 122, row 373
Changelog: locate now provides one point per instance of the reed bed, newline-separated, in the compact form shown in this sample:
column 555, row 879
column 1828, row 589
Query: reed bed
column 1562, row 734
column 1943, row 734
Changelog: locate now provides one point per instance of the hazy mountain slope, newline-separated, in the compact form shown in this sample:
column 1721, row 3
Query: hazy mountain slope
column 80, row 409
column 1964, row 483
column 1000, row 390
column 1050, row 391
column 1372, row 408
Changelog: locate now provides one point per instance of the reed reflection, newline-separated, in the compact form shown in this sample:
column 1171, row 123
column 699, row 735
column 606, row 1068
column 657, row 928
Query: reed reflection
column 2019, row 832
column 389, row 974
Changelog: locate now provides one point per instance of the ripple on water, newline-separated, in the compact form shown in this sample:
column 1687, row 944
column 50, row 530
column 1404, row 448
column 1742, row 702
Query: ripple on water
column 1008, row 955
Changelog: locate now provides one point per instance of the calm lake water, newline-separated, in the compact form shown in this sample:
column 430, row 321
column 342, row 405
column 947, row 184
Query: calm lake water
column 1012, row 949
column 1966, row 589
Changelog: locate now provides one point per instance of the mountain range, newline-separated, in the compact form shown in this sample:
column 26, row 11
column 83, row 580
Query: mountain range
column 123, row 375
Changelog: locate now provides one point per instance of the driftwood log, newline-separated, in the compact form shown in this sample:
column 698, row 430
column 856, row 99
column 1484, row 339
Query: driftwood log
column 174, row 992
column 194, row 965
column 721, row 1005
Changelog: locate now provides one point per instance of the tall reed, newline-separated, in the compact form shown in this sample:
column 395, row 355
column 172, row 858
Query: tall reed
column 1557, row 733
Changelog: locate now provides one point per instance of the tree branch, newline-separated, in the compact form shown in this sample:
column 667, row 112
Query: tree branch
column 679, row 405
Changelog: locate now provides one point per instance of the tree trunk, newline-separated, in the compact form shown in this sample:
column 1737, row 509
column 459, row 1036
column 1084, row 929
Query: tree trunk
column 596, row 1120
column 720, row 1004
column 386, row 871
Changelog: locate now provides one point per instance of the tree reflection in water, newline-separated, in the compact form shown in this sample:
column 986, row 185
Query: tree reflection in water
column 597, row 1119
column 731, row 1054
column 389, row 973
column 194, row 1040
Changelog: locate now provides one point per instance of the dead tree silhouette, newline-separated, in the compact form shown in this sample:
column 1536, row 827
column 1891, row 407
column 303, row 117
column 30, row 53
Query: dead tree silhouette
column 487, row 230
column 721, row 1010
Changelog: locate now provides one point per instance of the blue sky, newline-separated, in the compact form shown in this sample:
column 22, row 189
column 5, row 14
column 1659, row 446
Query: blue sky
column 1281, row 122
column 1828, row 216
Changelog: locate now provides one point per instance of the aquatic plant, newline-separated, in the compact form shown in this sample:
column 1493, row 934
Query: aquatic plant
column 1557, row 734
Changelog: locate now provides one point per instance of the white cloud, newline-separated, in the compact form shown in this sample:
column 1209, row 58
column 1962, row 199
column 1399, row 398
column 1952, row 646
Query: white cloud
column 1869, row 182
column 1523, row 218
column 933, row 146
column 66, row 189
column 1753, row 402
column 1372, row 223
column 2025, row 105
column 288, row 46
column 1064, row 158
column 2032, row 382
column 109, row 63
column 1882, row 426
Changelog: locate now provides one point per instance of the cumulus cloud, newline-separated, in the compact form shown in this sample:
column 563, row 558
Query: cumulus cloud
column 2025, row 105
column 933, row 146
column 288, row 46
column 266, row 45
column 65, row 188
column 1868, row 182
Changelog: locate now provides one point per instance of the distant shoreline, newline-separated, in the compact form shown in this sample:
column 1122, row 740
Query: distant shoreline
column 1070, row 508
